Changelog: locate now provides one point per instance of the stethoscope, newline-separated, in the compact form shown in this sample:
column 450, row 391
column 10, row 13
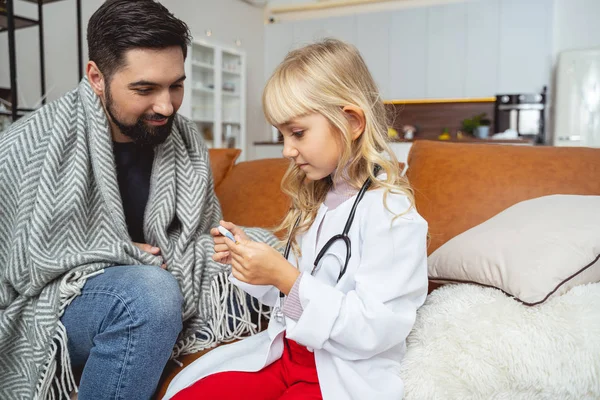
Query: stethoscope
column 277, row 312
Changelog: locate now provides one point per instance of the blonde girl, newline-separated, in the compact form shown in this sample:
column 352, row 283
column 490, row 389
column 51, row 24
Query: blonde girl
column 346, row 290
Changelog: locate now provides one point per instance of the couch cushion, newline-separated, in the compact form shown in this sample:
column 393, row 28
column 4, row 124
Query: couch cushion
column 460, row 185
column 251, row 196
column 221, row 162
column 534, row 250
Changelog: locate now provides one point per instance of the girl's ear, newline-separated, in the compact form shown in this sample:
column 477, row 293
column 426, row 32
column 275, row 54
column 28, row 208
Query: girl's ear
column 356, row 117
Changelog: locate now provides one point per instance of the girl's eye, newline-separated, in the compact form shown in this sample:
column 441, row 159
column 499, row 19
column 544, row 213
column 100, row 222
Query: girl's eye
column 298, row 133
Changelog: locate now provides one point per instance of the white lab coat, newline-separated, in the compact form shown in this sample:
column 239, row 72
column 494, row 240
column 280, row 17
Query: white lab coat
column 356, row 327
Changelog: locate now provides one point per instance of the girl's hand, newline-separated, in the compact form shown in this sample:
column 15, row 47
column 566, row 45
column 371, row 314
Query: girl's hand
column 222, row 254
column 259, row 264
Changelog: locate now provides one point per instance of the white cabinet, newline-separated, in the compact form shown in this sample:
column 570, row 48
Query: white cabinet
column 475, row 48
column 483, row 35
column 408, row 54
column 281, row 38
column 446, row 51
column 215, row 96
column 401, row 150
column 311, row 30
column 373, row 42
column 525, row 49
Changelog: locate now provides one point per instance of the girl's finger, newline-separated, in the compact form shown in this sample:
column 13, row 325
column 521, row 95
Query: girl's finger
column 220, row 248
column 220, row 255
column 233, row 246
column 227, row 225
column 215, row 232
column 231, row 227
column 237, row 275
column 239, row 261
column 237, row 271
column 219, row 239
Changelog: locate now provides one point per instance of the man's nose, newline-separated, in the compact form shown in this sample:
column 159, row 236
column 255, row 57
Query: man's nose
column 163, row 104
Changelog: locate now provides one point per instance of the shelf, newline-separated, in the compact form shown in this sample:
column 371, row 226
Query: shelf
column 20, row 112
column 231, row 53
column 453, row 140
column 20, row 22
column 440, row 101
column 203, row 65
column 204, row 90
column 217, row 106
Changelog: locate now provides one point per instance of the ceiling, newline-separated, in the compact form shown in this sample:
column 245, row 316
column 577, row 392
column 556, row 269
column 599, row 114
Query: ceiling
column 275, row 3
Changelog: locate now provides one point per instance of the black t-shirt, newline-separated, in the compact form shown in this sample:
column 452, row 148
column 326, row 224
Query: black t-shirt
column 134, row 167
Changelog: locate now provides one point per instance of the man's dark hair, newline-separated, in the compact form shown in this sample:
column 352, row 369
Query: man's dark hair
column 121, row 25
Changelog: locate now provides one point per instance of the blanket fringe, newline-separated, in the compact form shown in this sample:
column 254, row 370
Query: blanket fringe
column 228, row 317
column 52, row 385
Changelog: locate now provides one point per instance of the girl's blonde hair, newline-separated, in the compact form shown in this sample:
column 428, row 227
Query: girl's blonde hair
column 323, row 78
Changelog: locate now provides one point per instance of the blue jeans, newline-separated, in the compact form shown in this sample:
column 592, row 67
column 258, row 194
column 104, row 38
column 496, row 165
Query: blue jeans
column 121, row 330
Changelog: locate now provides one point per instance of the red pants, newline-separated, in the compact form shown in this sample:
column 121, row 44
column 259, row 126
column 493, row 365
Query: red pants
column 293, row 376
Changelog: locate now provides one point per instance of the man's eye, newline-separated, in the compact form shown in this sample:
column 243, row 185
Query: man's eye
column 143, row 91
column 179, row 86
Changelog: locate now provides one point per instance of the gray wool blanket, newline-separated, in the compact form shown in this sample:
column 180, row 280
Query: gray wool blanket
column 62, row 221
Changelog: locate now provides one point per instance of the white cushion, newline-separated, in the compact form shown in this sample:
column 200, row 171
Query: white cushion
column 533, row 250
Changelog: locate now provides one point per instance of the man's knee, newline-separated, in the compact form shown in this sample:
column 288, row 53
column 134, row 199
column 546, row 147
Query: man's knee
column 159, row 297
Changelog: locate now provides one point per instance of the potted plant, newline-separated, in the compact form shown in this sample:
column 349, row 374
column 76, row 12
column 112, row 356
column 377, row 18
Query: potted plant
column 478, row 126
column 483, row 130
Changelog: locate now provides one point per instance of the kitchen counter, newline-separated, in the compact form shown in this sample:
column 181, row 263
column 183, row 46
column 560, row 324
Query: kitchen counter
column 400, row 147
column 464, row 140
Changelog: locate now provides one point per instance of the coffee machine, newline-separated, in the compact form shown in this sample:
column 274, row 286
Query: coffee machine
column 523, row 113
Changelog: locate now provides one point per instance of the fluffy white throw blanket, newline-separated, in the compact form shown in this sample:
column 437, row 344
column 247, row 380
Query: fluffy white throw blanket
column 471, row 342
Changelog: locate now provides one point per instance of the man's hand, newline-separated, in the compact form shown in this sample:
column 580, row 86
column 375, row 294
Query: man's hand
column 150, row 249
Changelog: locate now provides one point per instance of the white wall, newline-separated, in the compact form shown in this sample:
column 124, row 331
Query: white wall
column 576, row 24
column 227, row 19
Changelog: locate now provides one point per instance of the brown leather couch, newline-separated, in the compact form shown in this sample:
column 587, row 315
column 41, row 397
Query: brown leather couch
column 457, row 186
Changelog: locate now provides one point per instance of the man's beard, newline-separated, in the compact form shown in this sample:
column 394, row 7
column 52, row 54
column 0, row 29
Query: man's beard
column 141, row 133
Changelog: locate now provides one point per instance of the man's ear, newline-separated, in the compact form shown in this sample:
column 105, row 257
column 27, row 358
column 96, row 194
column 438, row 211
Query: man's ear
column 96, row 79
column 356, row 117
